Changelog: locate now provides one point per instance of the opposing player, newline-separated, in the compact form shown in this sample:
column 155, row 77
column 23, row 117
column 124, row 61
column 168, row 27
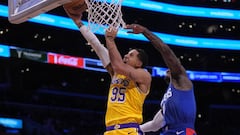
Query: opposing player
column 130, row 82
column 178, row 105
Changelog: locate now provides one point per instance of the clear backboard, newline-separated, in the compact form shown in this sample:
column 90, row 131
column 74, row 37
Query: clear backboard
column 22, row 10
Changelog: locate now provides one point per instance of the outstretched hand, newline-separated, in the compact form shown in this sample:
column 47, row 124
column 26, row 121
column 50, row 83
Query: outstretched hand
column 111, row 33
column 75, row 12
column 136, row 28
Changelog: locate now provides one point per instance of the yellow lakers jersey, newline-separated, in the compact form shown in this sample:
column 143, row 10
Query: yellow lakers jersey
column 125, row 102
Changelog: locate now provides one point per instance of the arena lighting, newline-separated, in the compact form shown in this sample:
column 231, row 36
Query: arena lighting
column 4, row 51
column 3, row 11
column 167, row 38
column 211, row 43
column 11, row 122
column 195, row 42
column 183, row 10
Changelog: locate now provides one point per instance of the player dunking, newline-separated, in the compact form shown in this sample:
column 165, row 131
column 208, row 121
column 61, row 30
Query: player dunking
column 178, row 105
column 130, row 82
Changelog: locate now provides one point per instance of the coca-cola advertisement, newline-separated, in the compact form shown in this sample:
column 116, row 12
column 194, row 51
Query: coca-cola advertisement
column 65, row 60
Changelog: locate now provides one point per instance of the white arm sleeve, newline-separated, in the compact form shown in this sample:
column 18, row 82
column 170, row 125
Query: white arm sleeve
column 100, row 50
column 155, row 124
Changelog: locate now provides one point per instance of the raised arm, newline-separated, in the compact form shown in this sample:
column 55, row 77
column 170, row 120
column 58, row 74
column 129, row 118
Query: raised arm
column 169, row 57
column 139, row 75
column 91, row 38
column 178, row 72
column 115, row 56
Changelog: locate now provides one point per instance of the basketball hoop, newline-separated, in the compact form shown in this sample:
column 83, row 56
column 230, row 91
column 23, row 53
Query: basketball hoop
column 104, row 14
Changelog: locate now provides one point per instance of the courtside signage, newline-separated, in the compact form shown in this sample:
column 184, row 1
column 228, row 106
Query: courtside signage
column 96, row 65
column 28, row 54
column 202, row 75
column 231, row 77
column 66, row 60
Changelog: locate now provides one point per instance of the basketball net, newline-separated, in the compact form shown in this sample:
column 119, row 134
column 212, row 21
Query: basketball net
column 104, row 14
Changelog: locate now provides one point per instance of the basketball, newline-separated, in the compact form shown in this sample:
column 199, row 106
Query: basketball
column 75, row 7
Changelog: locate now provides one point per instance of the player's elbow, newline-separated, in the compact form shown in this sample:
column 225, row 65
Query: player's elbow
column 118, row 68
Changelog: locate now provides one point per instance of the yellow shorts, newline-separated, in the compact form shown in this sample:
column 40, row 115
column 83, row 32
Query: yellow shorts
column 124, row 129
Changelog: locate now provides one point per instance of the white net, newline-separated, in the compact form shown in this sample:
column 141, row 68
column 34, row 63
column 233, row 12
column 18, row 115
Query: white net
column 104, row 14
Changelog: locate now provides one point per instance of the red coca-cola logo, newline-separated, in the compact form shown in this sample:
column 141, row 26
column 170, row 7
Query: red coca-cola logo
column 65, row 60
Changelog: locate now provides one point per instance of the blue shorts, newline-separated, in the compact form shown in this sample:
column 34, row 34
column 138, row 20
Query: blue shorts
column 185, row 131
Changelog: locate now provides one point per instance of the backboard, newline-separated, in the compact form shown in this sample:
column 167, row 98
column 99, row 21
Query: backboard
column 22, row 10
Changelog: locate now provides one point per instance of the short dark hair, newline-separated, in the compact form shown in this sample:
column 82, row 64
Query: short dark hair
column 143, row 57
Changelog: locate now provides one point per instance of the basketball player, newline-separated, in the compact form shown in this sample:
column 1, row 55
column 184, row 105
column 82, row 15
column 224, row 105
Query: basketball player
column 129, row 86
column 128, row 89
column 178, row 104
